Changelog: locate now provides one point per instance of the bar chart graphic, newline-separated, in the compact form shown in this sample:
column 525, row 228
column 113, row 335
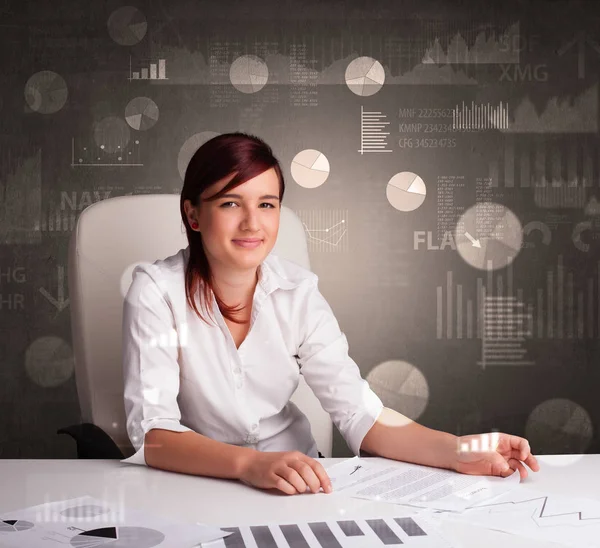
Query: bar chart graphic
column 155, row 70
column 21, row 196
column 558, row 171
column 368, row 533
column 480, row 116
column 56, row 220
column 459, row 318
column 564, row 308
column 372, row 136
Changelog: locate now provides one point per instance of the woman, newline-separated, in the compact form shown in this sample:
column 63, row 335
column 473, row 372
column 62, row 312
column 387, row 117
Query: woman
column 230, row 379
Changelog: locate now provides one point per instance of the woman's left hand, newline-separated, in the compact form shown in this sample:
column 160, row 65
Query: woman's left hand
column 494, row 454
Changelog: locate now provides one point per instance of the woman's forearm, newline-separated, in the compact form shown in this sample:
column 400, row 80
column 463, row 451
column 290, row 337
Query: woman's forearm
column 397, row 437
column 193, row 453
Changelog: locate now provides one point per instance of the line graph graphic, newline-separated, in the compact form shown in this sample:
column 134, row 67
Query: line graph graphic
column 326, row 231
column 543, row 516
column 540, row 514
column 320, row 234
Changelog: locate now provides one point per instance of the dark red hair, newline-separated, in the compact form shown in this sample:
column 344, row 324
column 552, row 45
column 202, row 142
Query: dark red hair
column 245, row 155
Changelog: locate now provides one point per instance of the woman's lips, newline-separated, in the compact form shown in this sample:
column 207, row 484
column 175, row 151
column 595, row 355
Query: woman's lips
column 249, row 244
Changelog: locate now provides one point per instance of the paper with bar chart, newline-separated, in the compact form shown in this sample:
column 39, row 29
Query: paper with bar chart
column 398, row 482
column 87, row 522
column 565, row 520
column 347, row 533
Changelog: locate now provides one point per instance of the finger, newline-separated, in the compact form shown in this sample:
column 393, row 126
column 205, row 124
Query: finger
column 321, row 473
column 318, row 469
column 521, row 445
column 514, row 454
column 291, row 476
column 530, row 460
column 499, row 465
column 307, row 474
column 285, row 486
column 526, row 456
column 517, row 465
column 533, row 463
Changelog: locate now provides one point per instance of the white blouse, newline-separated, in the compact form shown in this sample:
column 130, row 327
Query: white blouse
column 182, row 374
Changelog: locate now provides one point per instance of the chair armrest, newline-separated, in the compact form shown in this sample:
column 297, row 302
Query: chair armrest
column 92, row 442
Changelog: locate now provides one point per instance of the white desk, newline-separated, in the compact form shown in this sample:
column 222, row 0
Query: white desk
column 227, row 502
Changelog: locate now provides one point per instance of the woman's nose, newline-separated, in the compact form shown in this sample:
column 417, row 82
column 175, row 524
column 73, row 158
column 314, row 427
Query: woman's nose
column 251, row 219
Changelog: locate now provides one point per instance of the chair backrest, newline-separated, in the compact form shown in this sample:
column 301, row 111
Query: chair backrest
column 109, row 240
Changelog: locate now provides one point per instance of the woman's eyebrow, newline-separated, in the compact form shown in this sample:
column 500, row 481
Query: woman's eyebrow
column 239, row 197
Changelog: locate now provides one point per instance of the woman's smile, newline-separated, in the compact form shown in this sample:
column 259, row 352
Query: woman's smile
column 249, row 243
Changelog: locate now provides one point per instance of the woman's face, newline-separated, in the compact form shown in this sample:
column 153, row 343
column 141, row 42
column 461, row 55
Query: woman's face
column 248, row 212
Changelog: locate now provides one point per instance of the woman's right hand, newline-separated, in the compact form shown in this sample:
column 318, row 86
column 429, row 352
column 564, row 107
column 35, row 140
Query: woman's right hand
column 289, row 471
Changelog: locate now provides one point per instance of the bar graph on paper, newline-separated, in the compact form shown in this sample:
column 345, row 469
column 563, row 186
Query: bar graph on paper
column 372, row 136
column 367, row 533
column 558, row 310
column 156, row 70
column 326, row 231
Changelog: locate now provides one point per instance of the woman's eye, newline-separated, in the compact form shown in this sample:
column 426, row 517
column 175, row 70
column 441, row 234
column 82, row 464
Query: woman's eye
column 226, row 204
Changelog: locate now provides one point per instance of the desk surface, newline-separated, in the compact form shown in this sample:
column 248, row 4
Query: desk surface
column 219, row 502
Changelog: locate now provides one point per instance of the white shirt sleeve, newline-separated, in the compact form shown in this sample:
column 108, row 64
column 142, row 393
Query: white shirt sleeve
column 332, row 374
column 150, row 366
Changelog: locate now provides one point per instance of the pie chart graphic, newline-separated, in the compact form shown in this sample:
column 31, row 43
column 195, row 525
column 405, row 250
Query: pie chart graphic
column 559, row 426
column 190, row 147
column 14, row 525
column 141, row 113
column 400, row 386
column 46, row 92
column 248, row 73
column 488, row 236
column 406, row 191
column 49, row 361
column 118, row 537
column 365, row 76
column 127, row 26
column 310, row 168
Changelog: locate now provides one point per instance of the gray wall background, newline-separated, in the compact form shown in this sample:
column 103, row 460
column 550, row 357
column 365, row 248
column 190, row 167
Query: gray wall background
column 493, row 109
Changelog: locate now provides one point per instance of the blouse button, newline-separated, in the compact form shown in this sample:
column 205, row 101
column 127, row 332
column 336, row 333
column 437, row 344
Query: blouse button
column 237, row 371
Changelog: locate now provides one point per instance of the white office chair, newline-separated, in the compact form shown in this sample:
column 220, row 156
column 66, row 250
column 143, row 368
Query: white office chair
column 110, row 237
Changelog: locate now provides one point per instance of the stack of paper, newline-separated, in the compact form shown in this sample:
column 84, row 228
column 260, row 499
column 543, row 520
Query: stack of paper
column 414, row 485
